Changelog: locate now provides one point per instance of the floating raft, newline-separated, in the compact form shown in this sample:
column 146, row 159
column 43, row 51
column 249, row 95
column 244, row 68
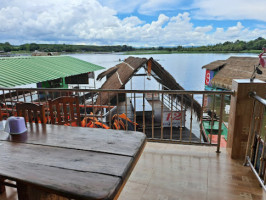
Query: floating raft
column 210, row 132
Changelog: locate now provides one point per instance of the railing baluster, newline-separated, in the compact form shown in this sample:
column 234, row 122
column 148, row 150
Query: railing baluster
column 220, row 123
column 31, row 96
column 171, row 124
column 263, row 139
column 257, row 151
column 135, row 115
column 109, row 109
column 126, row 110
column 191, row 118
column 181, row 120
column 251, row 135
column 264, row 178
column 85, row 109
column 261, row 120
column 201, row 117
column 212, row 122
column 93, row 109
column 262, row 158
column 6, row 106
column 152, row 116
column 11, row 100
column 39, row 100
column 4, row 97
column 162, row 117
column 143, row 114
column 17, row 96
column 117, row 107
column 101, row 106
column 24, row 96
column 256, row 118
column 47, row 108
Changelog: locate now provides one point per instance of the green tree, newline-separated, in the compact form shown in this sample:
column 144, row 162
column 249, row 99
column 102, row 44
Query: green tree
column 7, row 47
column 34, row 46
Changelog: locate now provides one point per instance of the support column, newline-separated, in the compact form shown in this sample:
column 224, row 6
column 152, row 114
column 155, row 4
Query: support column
column 240, row 114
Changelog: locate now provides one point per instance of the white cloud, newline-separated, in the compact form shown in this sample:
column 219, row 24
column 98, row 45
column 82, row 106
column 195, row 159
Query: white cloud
column 131, row 21
column 122, row 6
column 149, row 7
column 203, row 29
column 89, row 22
column 230, row 10
column 234, row 32
column 201, row 9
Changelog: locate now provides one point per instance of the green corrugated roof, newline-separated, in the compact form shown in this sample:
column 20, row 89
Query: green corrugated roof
column 16, row 71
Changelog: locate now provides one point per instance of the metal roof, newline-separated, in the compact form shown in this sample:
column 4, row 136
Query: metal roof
column 16, row 71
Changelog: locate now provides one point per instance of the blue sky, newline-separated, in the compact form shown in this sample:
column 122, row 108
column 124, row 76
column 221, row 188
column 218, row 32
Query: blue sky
column 135, row 23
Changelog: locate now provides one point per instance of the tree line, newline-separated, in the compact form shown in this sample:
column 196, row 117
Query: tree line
column 7, row 47
column 228, row 46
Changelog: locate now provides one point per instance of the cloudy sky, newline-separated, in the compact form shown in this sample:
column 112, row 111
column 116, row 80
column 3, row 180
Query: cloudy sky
column 132, row 22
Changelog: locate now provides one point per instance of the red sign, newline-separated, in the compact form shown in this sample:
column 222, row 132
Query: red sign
column 176, row 118
column 207, row 77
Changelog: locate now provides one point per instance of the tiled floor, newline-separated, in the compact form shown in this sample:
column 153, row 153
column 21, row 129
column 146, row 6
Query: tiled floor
column 186, row 172
column 170, row 171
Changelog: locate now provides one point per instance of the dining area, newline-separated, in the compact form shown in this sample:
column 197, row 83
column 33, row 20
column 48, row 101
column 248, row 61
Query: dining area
column 46, row 157
column 54, row 155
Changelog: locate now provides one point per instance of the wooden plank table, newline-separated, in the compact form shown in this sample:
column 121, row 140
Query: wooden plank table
column 49, row 161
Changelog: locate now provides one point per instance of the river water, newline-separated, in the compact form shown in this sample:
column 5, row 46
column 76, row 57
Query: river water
column 185, row 68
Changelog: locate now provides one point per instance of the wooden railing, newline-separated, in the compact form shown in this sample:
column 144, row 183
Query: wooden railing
column 175, row 123
column 255, row 152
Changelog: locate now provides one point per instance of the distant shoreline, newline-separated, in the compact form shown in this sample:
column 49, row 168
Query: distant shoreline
column 139, row 52
column 187, row 52
column 252, row 46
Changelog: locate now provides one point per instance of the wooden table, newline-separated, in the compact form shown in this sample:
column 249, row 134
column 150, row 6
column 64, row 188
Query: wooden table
column 72, row 162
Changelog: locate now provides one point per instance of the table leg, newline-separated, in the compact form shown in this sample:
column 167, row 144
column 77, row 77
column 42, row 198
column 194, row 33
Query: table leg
column 22, row 189
column 28, row 192
column 2, row 186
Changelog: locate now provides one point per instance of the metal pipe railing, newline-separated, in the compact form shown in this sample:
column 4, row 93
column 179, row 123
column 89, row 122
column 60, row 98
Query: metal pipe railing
column 151, row 122
column 258, row 98
column 255, row 151
column 121, row 91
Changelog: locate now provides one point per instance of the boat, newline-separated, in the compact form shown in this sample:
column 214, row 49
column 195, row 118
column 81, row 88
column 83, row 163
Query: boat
column 210, row 130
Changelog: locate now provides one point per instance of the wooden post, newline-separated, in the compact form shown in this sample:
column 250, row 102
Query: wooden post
column 240, row 115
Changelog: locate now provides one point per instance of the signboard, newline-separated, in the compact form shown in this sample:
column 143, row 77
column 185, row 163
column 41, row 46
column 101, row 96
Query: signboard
column 176, row 118
column 78, row 79
column 148, row 96
column 205, row 100
column 208, row 77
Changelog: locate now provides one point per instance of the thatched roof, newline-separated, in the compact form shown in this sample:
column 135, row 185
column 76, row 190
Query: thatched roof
column 214, row 65
column 237, row 68
column 121, row 74
column 38, row 53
